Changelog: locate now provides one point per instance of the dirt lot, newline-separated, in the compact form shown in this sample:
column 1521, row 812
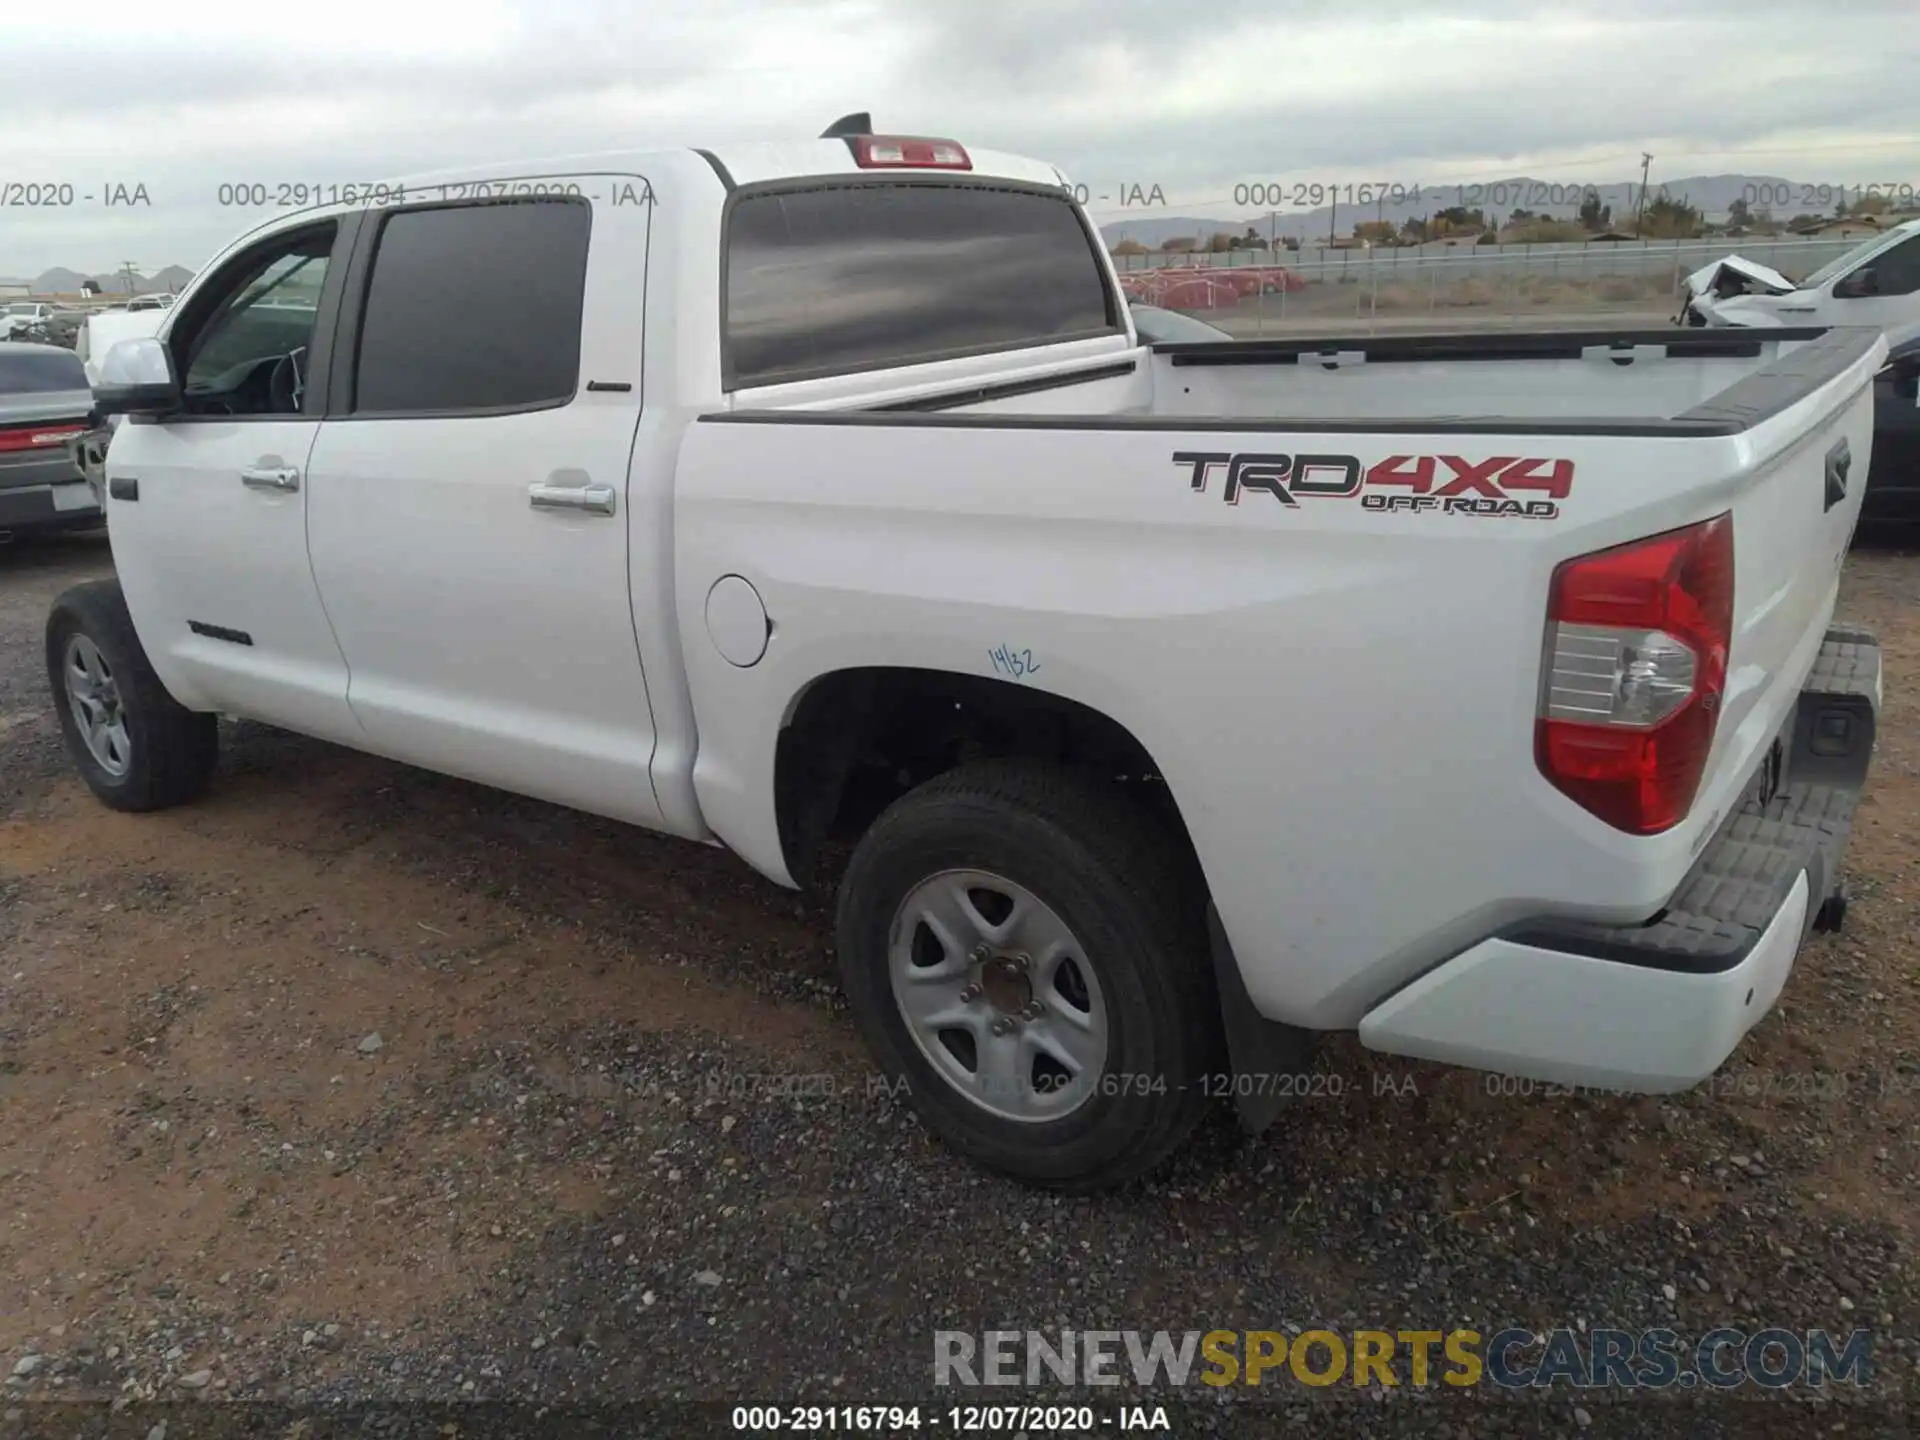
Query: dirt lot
column 354, row 1082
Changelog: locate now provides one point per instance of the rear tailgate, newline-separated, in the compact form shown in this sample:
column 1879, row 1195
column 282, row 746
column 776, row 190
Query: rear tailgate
column 1794, row 512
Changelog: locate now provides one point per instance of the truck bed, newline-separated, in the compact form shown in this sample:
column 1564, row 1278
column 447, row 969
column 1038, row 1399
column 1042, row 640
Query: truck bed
column 1327, row 559
column 1656, row 382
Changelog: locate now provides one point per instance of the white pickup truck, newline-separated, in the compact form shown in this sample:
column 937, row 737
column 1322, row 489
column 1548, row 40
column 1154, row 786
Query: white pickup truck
column 1479, row 694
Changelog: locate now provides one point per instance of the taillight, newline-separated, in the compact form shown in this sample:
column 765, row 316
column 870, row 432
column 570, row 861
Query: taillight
column 37, row 437
column 1637, row 641
column 884, row 152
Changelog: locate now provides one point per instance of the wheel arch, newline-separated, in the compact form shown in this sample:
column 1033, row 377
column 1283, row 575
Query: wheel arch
column 853, row 739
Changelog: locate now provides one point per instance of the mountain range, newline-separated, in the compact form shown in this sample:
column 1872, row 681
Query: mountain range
column 1712, row 195
column 61, row 281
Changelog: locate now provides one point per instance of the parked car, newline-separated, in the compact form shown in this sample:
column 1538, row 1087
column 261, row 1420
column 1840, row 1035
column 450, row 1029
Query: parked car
column 1156, row 326
column 20, row 314
column 1875, row 283
column 1478, row 693
column 62, row 328
column 45, row 404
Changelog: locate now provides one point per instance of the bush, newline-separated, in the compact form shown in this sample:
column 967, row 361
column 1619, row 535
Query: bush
column 1617, row 289
column 1465, row 292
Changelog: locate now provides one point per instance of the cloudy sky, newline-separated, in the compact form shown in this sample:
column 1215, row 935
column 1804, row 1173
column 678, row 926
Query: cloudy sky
column 1191, row 96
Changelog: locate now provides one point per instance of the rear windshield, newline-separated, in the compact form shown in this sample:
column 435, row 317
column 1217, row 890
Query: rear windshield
column 34, row 372
column 838, row 278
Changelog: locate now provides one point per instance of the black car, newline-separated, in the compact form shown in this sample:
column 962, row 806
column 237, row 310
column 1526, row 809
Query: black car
column 45, row 402
column 1893, row 474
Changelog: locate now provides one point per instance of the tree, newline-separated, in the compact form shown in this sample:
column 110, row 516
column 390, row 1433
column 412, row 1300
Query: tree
column 1415, row 230
column 1252, row 240
column 1670, row 219
column 1593, row 215
column 1177, row 244
column 1737, row 216
column 1457, row 219
column 1377, row 232
column 1129, row 246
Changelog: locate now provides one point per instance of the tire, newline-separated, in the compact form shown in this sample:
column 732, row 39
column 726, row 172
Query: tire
column 1126, row 895
column 164, row 753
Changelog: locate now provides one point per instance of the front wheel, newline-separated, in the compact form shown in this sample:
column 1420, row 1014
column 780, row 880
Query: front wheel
column 135, row 745
column 1022, row 950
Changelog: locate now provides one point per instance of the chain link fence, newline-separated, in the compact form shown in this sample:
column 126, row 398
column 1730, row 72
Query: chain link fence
column 1439, row 285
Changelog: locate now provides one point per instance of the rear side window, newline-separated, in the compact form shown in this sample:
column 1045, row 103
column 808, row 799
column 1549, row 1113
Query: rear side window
column 474, row 307
column 40, row 372
column 841, row 278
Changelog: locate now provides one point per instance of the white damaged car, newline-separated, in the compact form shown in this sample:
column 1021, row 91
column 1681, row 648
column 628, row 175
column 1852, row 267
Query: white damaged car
column 1876, row 283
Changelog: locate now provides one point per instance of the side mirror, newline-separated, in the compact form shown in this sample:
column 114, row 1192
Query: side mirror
column 1861, row 283
column 136, row 378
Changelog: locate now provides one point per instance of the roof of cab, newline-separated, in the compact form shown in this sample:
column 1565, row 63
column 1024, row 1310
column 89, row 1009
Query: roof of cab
column 744, row 164
column 749, row 164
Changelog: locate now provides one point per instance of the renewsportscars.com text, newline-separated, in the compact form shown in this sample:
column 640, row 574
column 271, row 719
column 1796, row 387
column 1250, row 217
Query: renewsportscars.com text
column 1723, row 1358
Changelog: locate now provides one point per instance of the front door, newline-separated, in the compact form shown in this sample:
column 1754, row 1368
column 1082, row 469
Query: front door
column 469, row 500
column 212, row 503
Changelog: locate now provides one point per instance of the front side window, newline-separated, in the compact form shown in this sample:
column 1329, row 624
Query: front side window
column 838, row 278
column 1840, row 263
column 247, row 355
column 474, row 308
column 1897, row 272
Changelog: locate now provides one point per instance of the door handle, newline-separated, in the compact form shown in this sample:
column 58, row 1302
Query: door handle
column 594, row 499
column 279, row 477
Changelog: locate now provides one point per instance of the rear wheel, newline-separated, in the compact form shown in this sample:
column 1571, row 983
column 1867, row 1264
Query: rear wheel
column 1021, row 949
column 134, row 744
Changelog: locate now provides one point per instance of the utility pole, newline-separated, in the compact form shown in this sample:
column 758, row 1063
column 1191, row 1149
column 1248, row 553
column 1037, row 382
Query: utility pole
column 1640, row 213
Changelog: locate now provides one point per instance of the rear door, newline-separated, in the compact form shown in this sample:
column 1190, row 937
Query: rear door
column 468, row 521
column 208, row 507
column 44, row 402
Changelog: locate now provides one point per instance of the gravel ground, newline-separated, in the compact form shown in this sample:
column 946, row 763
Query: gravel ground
column 355, row 1084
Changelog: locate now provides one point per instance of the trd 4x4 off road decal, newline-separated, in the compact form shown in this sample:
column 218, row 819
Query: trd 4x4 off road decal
column 1442, row 484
